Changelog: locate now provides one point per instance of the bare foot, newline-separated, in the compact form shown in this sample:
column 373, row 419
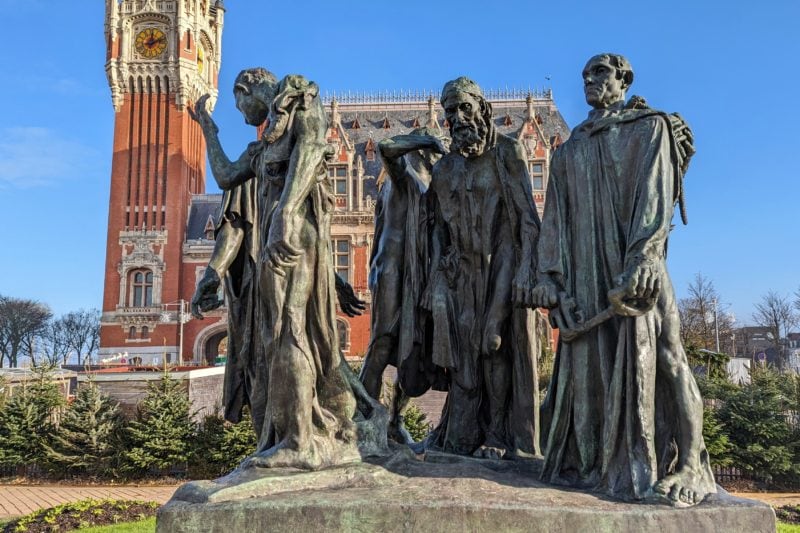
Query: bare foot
column 489, row 452
column 685, row 488
column 281, row 457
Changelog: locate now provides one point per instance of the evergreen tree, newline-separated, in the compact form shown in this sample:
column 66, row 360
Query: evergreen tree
column 416, row 422
column 87, row 440
column 26, row 421
column 160, row 436
column 755, row 417
column 718, row 443
column 221, row 446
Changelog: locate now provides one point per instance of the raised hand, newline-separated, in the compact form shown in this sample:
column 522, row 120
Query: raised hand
column 200, row 115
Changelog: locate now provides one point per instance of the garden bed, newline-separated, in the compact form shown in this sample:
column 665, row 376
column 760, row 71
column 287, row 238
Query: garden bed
column 81, row 514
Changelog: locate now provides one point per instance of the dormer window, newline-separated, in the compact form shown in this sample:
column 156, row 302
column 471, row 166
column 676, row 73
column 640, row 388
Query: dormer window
column 370, row 150
column 209, row 228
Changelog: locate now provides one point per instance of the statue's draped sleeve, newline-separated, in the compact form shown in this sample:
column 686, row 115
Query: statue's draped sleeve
column 553, row 248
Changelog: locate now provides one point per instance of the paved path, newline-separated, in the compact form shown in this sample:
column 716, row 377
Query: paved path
column 776, row 499
column 17, row 500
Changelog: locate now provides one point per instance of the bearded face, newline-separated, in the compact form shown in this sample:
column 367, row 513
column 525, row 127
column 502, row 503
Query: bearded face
column 468, row 128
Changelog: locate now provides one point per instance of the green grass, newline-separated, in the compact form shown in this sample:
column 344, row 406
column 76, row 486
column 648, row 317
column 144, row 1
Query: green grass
column 145, row 526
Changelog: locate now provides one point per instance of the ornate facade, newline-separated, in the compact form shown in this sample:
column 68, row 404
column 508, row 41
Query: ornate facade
column 164, row 54
column 161, row 56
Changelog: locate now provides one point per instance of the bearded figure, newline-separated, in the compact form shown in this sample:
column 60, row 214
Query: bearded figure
column 481, row 270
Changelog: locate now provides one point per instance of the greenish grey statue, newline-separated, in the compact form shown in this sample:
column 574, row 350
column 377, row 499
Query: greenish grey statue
column 273, row 247
column 623, row 413
column 480, row 285
column 399, row 273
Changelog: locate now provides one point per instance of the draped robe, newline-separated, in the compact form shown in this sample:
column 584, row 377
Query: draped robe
column 609, row 419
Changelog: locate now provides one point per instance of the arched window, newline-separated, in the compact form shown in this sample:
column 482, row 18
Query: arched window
column 141, row 288
column 145, row 332
column 132, row 332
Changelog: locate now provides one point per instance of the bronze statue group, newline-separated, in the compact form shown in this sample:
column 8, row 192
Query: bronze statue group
column 460, row 264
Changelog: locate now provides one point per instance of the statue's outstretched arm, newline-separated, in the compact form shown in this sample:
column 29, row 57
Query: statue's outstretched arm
column 228, row 174
column 393, row 149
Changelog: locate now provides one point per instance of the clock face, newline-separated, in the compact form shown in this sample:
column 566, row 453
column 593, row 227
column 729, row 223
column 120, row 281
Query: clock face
column 201, row 59
column 151, row 42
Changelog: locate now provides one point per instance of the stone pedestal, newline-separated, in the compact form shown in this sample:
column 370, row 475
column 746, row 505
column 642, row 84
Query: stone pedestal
column 438, row 495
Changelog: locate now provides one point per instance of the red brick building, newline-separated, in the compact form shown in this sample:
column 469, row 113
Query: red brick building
column 160, row 221
column 162, row 55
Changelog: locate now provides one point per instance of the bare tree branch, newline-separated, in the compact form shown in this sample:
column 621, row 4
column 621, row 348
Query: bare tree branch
column 775, row 313
column 21, row 321
column 697, row 315
column 82, row 332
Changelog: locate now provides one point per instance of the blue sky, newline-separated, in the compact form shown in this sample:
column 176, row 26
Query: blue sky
column 730, row 68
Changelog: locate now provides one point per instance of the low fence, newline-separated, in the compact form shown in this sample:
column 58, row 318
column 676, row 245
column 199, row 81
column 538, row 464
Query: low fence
column 732, row 474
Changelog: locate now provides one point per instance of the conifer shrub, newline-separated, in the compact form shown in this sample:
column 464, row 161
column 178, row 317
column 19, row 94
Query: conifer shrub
column 159, row 439
column 755, row 417
column 27, row 422
column 88, row 438
column 416, row 422
column 220, row 446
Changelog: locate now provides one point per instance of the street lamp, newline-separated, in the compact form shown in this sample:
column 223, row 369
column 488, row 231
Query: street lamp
column 182, row 316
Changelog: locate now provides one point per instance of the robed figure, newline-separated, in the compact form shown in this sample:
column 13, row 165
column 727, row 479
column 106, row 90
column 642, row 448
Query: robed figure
column 287, row 364
column 481, row 271
column 623, row 413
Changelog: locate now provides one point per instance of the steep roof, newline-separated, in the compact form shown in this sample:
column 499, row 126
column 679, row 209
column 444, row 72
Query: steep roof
column 366, row 120
column 379, row 118
column 201, row 208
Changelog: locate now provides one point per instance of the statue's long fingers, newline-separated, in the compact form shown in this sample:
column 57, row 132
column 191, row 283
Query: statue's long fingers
column 645, row 284
column 289, row 251
column 656, row 287
column 279, row 260
column 641, row 283
column 275, row 268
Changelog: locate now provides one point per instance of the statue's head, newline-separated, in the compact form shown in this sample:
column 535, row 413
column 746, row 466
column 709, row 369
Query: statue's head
column 469, row 116
column 254, row 90
column 606, row 78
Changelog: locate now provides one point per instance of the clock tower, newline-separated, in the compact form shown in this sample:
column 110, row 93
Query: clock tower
column 162, row 55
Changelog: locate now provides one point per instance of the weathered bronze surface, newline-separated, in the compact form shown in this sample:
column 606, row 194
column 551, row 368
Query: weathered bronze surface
column 481, row 278
column 446, row 493
column 273, row 246
column 399, row 274
column 623, row 413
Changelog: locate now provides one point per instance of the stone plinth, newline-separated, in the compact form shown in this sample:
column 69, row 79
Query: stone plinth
column 437, row 495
